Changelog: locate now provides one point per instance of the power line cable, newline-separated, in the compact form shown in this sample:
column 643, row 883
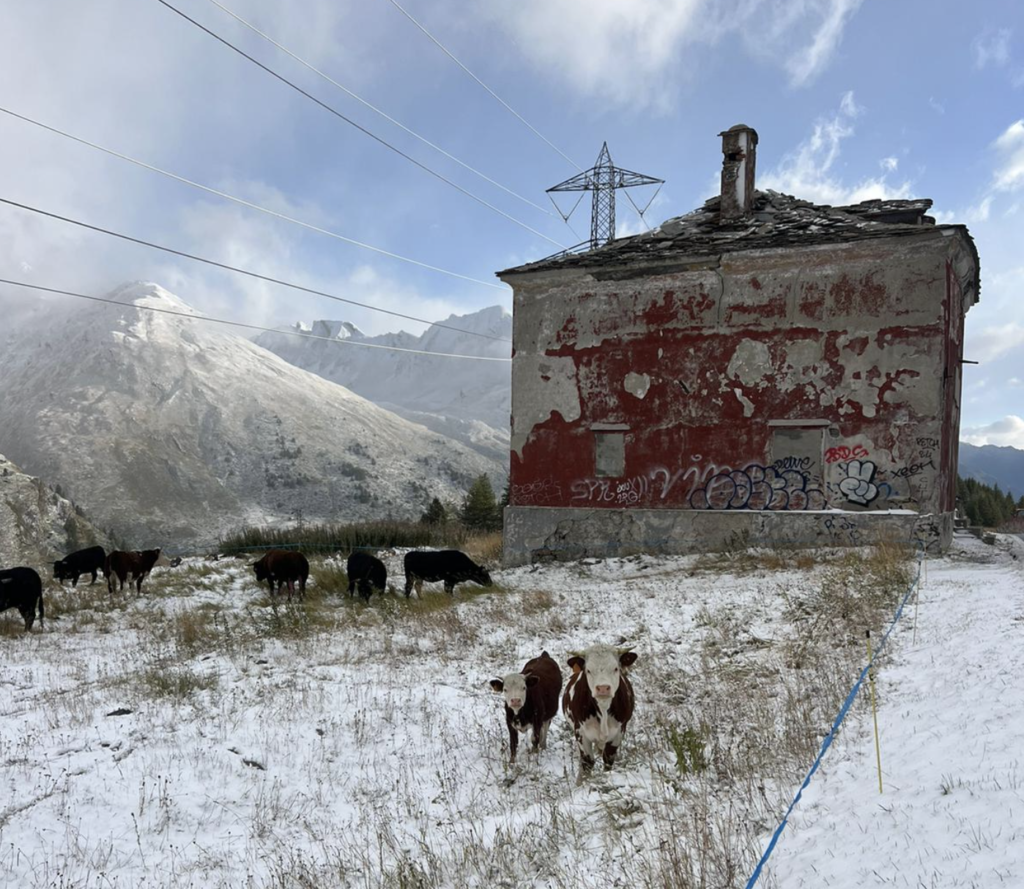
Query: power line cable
column 249, row 204
column 285, row 331
column 359, row 127
column 241, row 271
column 377, row 110
column 444, row 49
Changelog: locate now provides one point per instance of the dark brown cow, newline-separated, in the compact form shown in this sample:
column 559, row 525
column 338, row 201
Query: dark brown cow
column 598, row 701
column 282, row 566
column 137, row 563
column 531, row 700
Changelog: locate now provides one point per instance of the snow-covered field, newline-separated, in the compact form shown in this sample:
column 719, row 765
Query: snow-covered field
column 337, row 744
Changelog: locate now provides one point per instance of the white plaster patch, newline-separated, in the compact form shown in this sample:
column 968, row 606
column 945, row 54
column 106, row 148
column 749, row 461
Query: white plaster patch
column 637, row 384
column 748, row 405
column 547, row 385
column 750, row 362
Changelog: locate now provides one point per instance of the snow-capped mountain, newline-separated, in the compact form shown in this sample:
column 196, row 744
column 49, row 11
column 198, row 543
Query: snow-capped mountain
column 466, row 400
column 171, row 431
column 37, row 524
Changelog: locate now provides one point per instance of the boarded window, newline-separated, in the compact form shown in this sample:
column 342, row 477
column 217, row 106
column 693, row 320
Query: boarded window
column 609, row 454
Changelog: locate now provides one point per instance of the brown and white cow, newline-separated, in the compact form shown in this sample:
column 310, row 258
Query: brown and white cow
column 531, row 700
column 598, row 701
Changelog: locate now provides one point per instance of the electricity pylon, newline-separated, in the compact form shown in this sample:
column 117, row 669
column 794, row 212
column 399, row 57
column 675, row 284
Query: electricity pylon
column 602, row 179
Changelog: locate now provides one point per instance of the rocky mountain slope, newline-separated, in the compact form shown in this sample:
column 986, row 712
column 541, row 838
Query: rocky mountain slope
column 994, row 465
column 38, row 525
column 171, row 431
column 469, row 401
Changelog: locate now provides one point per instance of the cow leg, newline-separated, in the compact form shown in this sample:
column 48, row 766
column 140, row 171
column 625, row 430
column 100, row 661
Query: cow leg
column 543, row 739
column 29, row 616
column 74, row 580
column 586, row 757
column 608, row 755
column 449, row 587
column 351, row 586
column 408, row 585
column 513, row 743
column 91, row 582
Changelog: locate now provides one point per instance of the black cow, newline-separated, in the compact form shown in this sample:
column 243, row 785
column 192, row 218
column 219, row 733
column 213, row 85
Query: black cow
column 282, row 566
column 448, row 565
column 531, row 700
column 368, row 572
column 21, row 588
column 84, row 561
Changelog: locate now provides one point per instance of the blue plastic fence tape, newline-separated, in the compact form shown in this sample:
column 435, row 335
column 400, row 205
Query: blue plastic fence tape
column 838, row 721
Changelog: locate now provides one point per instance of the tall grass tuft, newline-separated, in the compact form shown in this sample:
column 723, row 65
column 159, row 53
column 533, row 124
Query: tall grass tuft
column 332, row 538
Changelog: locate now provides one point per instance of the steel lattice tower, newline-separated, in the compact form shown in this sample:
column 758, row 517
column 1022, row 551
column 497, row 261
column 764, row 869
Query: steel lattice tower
column 602, row 179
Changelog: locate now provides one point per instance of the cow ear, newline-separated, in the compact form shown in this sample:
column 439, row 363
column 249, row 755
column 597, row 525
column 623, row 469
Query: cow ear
column 627, row 658
column 576, row 662
column 532, row 679
column 497, row 685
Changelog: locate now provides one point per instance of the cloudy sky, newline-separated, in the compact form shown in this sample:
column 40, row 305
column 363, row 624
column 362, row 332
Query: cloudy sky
column 851, row 100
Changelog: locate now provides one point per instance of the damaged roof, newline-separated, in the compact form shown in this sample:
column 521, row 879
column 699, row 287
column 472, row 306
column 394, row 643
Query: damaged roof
column 776, row 221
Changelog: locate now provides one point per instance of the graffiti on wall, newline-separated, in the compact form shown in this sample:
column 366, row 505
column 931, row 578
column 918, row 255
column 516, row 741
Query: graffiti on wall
column 757, row 487
column 621, row 492
column 540, row 491
column 857, row 485
column 841, row 453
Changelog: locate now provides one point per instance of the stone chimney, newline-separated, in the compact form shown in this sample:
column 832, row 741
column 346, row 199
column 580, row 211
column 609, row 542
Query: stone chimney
column 739, row 150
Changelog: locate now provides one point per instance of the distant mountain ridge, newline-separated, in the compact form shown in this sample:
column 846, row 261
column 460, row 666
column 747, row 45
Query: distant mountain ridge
column 171, row 432
column 994, row 465
column 468, row 400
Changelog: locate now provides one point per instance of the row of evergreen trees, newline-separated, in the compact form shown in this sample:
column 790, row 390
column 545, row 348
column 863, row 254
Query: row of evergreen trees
column 985, row 504
column 480, row 511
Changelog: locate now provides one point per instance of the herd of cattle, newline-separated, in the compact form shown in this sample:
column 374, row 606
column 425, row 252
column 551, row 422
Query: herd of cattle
column 598, row 700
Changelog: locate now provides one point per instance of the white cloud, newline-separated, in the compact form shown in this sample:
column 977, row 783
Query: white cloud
column 632, row 53
column 808, row 171
column 989, row 343
column 991, row 47
column 889, row 164
column 1009, row 173
column 1006, row 432
column 804, row 66
column 936, row 106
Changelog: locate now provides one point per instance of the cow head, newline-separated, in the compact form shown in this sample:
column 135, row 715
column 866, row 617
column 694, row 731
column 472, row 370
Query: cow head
column 514, row 686
column 58, row 570
column 260, row 567
column 602, row 667
column 481, row 576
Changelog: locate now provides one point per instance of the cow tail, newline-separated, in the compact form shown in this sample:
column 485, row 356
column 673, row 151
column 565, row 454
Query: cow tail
column 41, row 609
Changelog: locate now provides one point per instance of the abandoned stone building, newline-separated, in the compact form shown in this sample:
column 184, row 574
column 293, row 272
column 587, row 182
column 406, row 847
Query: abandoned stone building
column 760, row 370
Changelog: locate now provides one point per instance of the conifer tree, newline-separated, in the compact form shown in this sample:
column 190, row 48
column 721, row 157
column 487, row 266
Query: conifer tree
column 480, row 511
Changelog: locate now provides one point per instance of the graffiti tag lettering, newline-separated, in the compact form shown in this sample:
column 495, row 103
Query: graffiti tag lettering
column 842, row 453
column 759, row 487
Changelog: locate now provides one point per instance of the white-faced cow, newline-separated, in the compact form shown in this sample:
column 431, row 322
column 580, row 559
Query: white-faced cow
column 21, row 588
column 366, row 572
column 531, row 700
column 84, row 561
column 598, row 701
column 282, row 566
column 448, row 565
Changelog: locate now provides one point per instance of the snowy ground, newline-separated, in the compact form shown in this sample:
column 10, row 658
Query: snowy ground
column 335, row 744
column 952, row 737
